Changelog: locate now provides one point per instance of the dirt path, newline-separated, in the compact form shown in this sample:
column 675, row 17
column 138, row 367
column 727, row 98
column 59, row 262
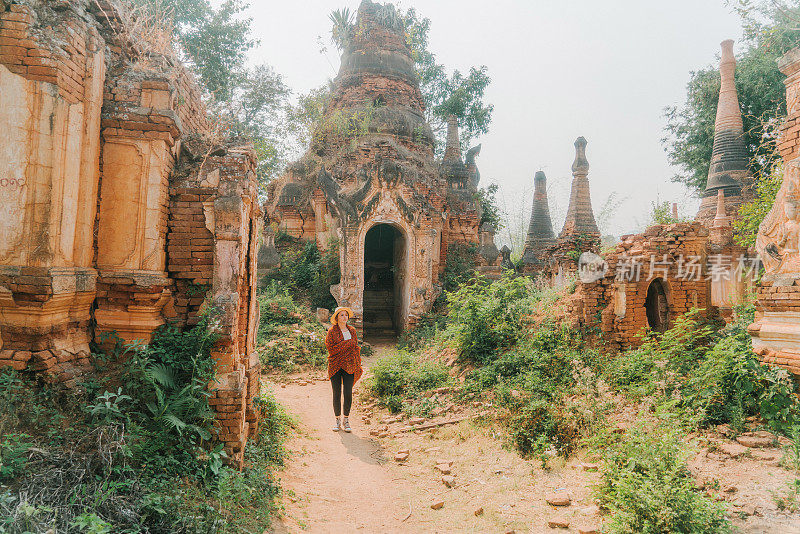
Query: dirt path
column 335, row 481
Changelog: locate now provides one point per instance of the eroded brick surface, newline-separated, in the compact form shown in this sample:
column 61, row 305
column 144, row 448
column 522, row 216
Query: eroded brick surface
column 113, row 210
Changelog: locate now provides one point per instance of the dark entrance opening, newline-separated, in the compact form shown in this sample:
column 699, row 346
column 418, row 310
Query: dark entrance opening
column 656, row 306
column 384, row 262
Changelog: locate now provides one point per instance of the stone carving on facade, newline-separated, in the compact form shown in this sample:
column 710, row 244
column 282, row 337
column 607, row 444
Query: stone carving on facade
column 777, row 240
column 776, row 330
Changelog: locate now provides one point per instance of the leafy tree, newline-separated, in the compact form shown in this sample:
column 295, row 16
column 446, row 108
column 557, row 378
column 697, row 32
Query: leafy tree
column 690, row 129
column 256, row 111
column 490, row 209
column 456, row 94
column 304, row 114
column 214, row 40
column 770, row 30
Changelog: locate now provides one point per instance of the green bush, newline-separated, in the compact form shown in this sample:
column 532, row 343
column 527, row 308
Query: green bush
column 168, row 382
column 13, row 458
column 459, row 265
column 730, row 384
column 401, row 374
column 540, row 423
column 634, row 372
column 707, row 377
column 485, row 317
column 648, row 488
column 662, row 356
column 136, row 457
column 541, row 362
column 428, row 325
column 540, row 369
column 309, row 272
column 289, row 337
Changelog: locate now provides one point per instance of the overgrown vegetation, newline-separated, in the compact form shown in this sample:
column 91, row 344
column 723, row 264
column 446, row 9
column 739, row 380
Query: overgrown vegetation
column 707, row 377
column 752, row 213
column 661, row 213
column 132, row 451
column 490, row 207
column 404, row 374
column 289, row 337
column 648, row 488
column 555, row 392
column 307, row 272
column 459, row 265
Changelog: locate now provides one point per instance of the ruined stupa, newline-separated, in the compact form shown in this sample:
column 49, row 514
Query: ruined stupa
column 540, row 229
column 370, row 185
column 728, row 170
column 580, row 224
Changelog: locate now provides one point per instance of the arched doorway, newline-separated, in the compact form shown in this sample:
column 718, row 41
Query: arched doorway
column 384, row 279
column 657, row 305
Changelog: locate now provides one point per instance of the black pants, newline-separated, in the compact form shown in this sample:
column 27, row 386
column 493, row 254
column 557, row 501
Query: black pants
column 336, row 383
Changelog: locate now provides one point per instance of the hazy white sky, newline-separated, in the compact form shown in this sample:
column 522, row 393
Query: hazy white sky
column 603, row 70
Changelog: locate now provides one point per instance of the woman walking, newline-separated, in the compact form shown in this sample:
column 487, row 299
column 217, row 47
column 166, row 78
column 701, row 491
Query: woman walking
column 344, row 364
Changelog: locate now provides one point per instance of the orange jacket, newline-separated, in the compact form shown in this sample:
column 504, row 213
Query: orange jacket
column 343, row 354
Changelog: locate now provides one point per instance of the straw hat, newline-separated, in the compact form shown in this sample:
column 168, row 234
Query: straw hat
column 341, row 309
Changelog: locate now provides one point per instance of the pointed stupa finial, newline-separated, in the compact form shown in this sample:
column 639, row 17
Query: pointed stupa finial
column 452, row 150
column 721, row 218
column 580, row 222
column 729, row 160
column 540, row 229
column 581, row 164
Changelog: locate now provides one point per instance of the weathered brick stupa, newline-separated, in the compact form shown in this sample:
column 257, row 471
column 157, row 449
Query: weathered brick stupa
column 579, row 233
column 648, row 280
column 369, row 182
column 540, row 229
column 729, row 162
column 110, row 222
column 776, row 330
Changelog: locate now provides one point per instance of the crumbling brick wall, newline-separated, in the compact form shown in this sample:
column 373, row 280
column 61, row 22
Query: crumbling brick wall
column 675, row 254
column 214, row 224
column 107, row 216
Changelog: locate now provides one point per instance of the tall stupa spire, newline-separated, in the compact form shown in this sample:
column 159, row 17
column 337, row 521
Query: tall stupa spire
column 540, row 229
column 452, row 150
column 580, row 220
column 728, row 170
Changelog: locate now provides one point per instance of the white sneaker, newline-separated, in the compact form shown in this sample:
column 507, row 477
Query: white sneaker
column 336, row 427
column 347, row 426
